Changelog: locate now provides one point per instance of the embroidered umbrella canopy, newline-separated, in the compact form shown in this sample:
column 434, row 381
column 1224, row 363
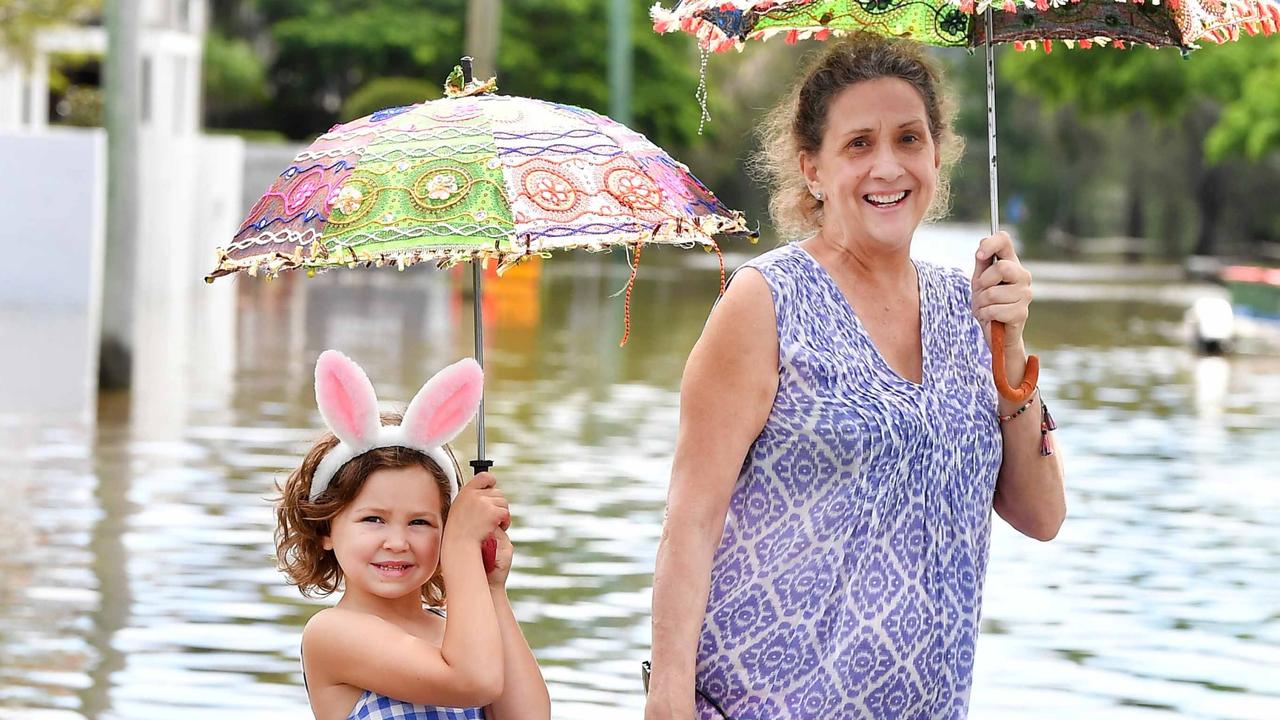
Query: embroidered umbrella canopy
column 473, row 177
column 722, row 25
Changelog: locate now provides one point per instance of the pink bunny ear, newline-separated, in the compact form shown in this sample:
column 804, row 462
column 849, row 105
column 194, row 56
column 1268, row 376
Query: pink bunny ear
column 346, row 399
column 445, row 404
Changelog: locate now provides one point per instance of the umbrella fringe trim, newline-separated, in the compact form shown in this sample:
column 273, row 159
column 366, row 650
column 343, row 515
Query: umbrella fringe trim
column 683, row 232
column 1253, row 17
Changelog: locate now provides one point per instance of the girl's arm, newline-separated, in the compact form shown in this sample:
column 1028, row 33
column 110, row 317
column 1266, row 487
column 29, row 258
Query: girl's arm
column 524, row 692
column 361, row 650
column 725, row 396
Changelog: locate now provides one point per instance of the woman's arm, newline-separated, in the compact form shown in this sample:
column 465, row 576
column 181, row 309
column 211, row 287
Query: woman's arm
column 725, row 397
column 1029, row 489
column 524, row 692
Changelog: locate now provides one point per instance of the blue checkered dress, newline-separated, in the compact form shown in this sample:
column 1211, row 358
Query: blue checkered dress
column 372, row 706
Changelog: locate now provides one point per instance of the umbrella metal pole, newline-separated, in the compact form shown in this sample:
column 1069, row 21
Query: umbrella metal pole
column 991, row 125
column 1032, row 373
column 480, row 464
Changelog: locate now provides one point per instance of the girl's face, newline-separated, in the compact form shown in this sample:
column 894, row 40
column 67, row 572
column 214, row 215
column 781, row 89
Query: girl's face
column 387, row 539
column 878, row 165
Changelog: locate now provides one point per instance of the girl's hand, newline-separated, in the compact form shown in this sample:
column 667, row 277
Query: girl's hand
column 479, row 509
column 1001, row 290
column 502, row 560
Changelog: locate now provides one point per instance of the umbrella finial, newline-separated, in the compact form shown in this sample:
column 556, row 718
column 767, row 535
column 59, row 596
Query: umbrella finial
column 462, row 83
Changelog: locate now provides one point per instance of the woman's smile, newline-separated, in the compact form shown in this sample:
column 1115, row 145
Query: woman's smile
column 886, row 201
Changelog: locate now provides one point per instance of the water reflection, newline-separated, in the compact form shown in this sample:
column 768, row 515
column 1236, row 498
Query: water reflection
column 136, row 577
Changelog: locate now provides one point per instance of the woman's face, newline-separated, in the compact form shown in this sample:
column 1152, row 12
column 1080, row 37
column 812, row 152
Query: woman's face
column 878, row 165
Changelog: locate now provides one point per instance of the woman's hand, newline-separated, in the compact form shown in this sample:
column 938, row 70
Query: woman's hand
column 479, row 509
column 501, row 560
column 1001, row 290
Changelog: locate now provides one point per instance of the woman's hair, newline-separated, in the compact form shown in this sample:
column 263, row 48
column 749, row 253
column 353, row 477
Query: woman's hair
column 302, row 523
column 797, row 123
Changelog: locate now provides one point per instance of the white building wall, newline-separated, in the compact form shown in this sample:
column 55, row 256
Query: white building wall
column 53, row 191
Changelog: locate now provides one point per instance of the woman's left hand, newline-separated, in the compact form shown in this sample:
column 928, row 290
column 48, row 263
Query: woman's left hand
column 501, row 559
column 1001, row 290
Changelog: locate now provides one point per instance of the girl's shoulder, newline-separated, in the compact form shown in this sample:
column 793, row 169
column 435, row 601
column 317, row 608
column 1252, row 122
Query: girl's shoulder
column 325, row 627
column 339, row 625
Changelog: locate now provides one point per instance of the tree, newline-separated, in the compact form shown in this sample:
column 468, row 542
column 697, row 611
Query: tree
column 387, row 92
column 21, row 20
column 1191, row 97
column 1250, row 123
column 323, row 51
column 235, row 79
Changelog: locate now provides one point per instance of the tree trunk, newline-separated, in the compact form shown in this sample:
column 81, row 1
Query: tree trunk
column 1209, row 198
column 1207, row 181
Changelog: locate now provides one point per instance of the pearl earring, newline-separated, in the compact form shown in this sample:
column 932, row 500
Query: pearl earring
column 817, row 195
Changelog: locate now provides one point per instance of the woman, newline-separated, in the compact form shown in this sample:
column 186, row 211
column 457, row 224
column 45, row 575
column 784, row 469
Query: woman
column 841, row 443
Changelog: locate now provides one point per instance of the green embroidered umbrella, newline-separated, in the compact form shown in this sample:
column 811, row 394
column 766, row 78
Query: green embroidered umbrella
column 473, row 177
column 722, row 25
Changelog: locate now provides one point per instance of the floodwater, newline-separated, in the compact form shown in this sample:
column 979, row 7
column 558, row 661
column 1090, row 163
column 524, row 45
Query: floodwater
column 136, row 569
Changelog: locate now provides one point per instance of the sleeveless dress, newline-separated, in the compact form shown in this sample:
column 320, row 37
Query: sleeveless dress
column 372, row 706
column 848, row 581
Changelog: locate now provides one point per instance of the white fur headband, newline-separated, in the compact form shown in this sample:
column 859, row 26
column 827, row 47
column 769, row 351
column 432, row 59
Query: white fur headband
column 440, row 410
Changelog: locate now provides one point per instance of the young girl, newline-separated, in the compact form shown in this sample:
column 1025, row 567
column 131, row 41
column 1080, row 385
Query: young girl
column 375, row 510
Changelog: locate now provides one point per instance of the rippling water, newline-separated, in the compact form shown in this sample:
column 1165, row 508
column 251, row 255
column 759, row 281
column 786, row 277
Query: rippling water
column 136, row 572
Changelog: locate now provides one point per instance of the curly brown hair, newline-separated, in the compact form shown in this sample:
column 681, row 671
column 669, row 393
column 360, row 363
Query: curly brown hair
column 302, row 523
column 797, row 123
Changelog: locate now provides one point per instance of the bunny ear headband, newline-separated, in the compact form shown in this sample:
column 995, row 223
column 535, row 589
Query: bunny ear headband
column 440, row 410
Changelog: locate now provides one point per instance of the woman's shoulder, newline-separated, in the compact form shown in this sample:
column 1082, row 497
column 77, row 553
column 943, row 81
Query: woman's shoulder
column 952, row 279
column 784, row 254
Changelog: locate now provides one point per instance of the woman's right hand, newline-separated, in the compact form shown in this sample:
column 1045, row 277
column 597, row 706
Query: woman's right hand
column 478, row 510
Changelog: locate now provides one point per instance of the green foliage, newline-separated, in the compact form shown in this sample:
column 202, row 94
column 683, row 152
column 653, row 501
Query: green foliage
column 558, row 50
column 1158, row 122
column 1239, row 77
column 387, row 92
column 234, row 76
column 81, row 106
column 327, row 50
column 1250, row 125
column 20, row 20
column 75, row 81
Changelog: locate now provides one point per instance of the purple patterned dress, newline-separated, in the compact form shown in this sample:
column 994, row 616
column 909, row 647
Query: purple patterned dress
column 848, row 581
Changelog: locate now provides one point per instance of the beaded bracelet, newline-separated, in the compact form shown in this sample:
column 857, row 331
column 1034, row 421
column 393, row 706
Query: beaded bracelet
column 1046, row 421
column 1030, row 399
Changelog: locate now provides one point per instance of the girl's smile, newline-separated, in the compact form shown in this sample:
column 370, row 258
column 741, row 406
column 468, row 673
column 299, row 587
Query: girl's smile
column 387, row 540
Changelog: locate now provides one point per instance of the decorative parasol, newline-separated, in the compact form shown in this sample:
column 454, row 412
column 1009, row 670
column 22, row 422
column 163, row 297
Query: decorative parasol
column 728, row 24
column 474, row 177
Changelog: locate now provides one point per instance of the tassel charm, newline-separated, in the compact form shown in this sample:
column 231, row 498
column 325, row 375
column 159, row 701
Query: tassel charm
column 1046, row 425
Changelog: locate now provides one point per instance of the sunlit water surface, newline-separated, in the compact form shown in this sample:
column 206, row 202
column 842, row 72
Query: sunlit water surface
column 136, row 561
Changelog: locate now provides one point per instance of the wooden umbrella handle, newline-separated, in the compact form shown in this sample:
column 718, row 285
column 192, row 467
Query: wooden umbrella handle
column 488, row 546
column 1029, row 378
